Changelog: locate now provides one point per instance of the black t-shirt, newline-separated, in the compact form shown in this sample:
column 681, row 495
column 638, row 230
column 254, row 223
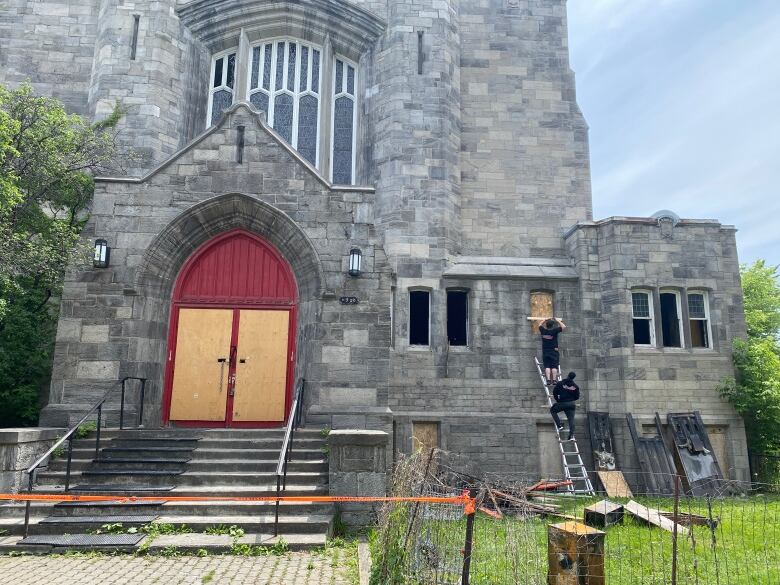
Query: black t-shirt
column 566, row 391
column 549, row 337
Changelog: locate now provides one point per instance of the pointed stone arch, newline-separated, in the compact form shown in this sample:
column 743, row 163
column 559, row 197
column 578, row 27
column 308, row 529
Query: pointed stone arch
column 169, row 250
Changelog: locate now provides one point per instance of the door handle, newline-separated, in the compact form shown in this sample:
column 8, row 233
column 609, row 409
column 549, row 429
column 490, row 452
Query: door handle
column 243, row 360
column 221, row 360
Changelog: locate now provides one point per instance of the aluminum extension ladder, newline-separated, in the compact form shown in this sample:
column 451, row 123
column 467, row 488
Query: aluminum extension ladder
column 573, row 467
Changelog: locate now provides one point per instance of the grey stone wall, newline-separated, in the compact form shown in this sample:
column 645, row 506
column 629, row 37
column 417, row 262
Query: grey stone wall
column 50, row 44
column 617, row 255
column 163, row 90
column 19, row 449
column 524, row 158
column 358, row 464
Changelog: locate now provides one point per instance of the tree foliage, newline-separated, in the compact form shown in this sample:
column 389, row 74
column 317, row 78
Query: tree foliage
column 755, row 393
column 47, row 160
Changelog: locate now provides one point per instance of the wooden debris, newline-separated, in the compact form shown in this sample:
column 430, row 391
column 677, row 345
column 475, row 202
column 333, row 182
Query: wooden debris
column 686, row 519
column 603, row 514
column 654, row 517
column 615, row 484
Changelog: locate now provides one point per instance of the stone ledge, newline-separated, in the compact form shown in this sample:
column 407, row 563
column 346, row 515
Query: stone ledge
column 358, row 437
column 29, row 435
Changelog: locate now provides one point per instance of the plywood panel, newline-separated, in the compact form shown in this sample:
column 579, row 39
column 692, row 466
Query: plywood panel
column 541, row 309
column 261, row 380
column 425, row 435
column 719, row 442
column 199, row 380
column 615, row 484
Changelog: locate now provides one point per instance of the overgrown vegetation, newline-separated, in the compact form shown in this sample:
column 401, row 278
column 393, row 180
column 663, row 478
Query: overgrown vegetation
column 47, row 160
column 755, row 393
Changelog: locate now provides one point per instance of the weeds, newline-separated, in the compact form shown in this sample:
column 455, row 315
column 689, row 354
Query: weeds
column 84, row 430
column 208, row 577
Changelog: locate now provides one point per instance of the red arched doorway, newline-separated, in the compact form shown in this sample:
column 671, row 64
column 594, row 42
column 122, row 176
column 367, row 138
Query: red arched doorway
column 231, row 343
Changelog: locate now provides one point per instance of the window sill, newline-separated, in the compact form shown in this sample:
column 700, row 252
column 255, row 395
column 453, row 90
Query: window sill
column 419, row 348
column 460, row 349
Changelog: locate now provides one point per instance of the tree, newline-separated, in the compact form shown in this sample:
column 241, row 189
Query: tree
column 755, row 393
column 47, row 160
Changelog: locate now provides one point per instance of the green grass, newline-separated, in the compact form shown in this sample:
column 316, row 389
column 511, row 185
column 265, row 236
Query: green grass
column 743, row 549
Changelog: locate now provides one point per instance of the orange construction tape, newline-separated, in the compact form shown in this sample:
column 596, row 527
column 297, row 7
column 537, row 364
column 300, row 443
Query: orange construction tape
column 464, row 500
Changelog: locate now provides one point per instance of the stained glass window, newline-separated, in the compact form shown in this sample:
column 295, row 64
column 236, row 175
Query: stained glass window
column 291, row 102
column 343, row 155
column 291, row 67
column 223, row 79
column 307, row 128
column 255, row 67
column 221, row 100
column 342, row 140
column 304, row 68
column 267, row 67
column 231, row 70
column 260, row 101
column 315, row 71
column 283, row 115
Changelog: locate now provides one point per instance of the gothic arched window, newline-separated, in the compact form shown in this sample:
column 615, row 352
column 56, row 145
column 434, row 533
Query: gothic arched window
column 343, row 135
column 223, row 79
column 284, row 82
column 286, row 79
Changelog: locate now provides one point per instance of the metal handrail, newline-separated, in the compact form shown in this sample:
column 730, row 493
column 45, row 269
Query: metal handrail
column 68, row 436
column 293, row 422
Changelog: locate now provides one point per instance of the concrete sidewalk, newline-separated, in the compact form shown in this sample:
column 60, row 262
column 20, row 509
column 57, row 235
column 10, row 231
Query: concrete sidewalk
column 295, row 568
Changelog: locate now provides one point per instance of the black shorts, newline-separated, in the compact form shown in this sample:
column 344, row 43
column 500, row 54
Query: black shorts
column 551, row 358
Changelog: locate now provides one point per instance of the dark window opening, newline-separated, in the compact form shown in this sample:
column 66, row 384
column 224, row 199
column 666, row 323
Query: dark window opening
column 218, row 72
column 642, row 332
column 670, row 320
column 699, row 336
column 643, row 318
column 457, row 317
column 419, row 317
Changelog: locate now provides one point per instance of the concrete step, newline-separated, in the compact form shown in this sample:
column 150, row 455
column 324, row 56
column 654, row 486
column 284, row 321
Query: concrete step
column 183, row 543
column 238, row 465
column 180, row 433
column 258, row 489
column 231, row 479
column 202, row 454
column 15, row 511
column 158, row 463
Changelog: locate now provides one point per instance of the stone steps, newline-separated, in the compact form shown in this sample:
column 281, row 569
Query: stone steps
column 183, row 462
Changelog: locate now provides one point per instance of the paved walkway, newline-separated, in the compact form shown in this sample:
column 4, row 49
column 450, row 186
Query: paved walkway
column 290, row 569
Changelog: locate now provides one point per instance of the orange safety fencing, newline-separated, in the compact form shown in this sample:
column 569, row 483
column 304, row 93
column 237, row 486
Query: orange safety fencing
column 465, row 500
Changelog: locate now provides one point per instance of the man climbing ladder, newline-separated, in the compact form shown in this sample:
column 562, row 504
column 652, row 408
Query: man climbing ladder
column 566, row 394
column 573, row 466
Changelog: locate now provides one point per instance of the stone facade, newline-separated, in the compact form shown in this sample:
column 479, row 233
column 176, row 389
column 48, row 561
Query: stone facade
column 471, row 173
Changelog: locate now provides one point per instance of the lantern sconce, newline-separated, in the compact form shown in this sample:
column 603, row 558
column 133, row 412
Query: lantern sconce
column 102, row 253
column 355, row 262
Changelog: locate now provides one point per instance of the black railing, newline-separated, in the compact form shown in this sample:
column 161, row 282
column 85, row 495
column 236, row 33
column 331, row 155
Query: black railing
column 293, row 422
column 69, row 435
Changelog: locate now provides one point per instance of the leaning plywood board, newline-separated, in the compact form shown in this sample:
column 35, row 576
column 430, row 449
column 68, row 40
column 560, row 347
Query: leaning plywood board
column 653, row 517
column 615, row 484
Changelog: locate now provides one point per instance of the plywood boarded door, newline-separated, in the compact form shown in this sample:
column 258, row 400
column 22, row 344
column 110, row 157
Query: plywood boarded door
column 261, row 371
column 200, row 375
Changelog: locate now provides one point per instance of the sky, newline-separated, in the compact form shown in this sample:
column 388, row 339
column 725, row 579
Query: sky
column 682, row 98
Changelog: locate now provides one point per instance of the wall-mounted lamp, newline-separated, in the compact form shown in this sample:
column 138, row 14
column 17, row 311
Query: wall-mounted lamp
column 355, row 262
column 102, row 253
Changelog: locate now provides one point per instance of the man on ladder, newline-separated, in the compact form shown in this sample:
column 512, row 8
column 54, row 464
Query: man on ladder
column 551, row 358
column 566, row 393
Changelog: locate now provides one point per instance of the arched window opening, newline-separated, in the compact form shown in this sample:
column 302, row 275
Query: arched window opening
column 343, row 137
column 223, row 79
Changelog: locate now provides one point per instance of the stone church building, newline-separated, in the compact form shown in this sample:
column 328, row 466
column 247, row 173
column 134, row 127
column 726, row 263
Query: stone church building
column 377, row 197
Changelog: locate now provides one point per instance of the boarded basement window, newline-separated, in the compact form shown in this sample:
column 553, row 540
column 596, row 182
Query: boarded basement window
column 670, row 319
column 541, row 309
column 425, row 435
column 457, row 317
column 419, row 317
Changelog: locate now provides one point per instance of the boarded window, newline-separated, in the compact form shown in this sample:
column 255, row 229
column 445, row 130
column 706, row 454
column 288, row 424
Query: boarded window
column 419, row 317
column 457, row 317
column 670, row 319
column 642, row 309
column 541, row 308
column 699, row 319
column 425, row 435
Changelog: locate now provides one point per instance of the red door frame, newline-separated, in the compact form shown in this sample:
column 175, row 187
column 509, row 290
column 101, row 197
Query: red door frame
column 237, row 306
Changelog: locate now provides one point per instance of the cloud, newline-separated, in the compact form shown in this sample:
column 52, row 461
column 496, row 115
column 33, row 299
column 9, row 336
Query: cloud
column 680, row 96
